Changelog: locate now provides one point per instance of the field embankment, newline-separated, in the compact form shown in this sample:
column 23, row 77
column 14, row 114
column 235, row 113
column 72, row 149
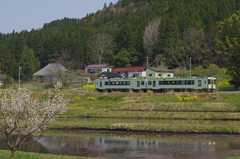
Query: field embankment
column 116, row 107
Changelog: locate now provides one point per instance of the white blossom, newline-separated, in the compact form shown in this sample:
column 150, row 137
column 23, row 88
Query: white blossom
column 24, row 113
column 58, row 85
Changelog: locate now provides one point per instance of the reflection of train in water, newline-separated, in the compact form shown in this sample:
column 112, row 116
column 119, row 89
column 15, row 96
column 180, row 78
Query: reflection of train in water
column 157, row 85
column 160, row 145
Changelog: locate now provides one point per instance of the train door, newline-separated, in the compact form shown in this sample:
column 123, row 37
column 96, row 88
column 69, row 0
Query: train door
column 138, row 84
column 154, row 83
column 199, row 83
column 211, row 83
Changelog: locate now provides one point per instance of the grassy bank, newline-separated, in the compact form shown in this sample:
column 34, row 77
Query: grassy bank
column 4, row 154
column 172, row 106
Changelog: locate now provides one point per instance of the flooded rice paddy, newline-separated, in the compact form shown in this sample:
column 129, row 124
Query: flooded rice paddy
column 123, row 145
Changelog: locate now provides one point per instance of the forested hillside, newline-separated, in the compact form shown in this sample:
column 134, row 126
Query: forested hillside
column 124, row 34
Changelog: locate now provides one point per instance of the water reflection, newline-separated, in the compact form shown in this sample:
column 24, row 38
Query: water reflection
column 121, row 148
column 167, row 147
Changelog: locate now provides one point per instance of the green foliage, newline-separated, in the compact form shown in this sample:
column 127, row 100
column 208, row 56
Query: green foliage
column 224, row 86
column 234, row 70
column 122, row 59
column 205, row 30
column 27, row 62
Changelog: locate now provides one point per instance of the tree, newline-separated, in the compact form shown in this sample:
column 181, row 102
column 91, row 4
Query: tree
column 24, row 113
column 122, row 59
column 27, row 62
column 178, row 53
column 212, row 69
column 151, row 37
column 101, row 45
column 234, row 70
column 7, row 63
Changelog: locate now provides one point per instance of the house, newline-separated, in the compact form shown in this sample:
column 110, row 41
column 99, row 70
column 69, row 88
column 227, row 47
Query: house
column 51, row 73
column 131, row 72
column 159, row 73
column 109, row 75
column 98, row 68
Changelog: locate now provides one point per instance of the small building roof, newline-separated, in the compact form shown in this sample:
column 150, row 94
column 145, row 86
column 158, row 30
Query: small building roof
column 130, row 69
column 50, row 68
column 160, row 69
column 98, row 65
column 110, row 75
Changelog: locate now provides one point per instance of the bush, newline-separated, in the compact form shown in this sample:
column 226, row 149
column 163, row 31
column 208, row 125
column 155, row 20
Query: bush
column 89, row 87
column 186, row 98
column 225, row 86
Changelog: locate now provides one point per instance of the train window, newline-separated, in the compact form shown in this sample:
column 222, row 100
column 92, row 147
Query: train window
column 160, row 82
column 154, row 83
column 182, row 82
column 199, row 83
column 138, row 83
column 100, row 84
column 106, row 83
column 128, row 83
column 150, row 75
column 117, row 83
column 96, row 83
column 149, row 82
column 142, row 82
column 214, row 81
column 120, row 83
column 209, row 81
column 192, row 82
column 164, row 83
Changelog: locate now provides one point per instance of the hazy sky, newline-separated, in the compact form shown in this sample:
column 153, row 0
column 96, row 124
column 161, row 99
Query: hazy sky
column 21, row 15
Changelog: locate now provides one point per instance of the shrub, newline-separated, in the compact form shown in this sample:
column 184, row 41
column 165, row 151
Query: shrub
column 91, row 98
column 186, row 98
column 89, row 87
column 225, row 86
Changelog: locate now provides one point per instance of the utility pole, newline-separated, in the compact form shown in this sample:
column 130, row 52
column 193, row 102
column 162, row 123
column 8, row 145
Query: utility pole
column 190, row 66
column 19, row 70
column 147, row 68
column 147, row 62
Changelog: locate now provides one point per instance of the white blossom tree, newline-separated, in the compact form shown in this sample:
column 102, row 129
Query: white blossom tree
column 151, row 37
column 23, row 113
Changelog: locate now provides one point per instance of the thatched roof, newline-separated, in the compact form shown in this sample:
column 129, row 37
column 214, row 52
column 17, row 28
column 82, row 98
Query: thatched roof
column 51, row 67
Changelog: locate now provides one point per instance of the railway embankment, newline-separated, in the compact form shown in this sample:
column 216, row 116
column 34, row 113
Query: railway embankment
column 126, row 112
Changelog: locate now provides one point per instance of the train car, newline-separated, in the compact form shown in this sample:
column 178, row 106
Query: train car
column 157, row 85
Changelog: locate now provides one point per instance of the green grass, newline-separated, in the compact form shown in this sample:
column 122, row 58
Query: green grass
column 140, row 125
column 234, row 157
column 5, row 154
column 119, row 106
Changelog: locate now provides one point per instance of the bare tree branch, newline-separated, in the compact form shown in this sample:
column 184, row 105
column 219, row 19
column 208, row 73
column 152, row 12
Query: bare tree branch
column 101, row 45
column 151, row 36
